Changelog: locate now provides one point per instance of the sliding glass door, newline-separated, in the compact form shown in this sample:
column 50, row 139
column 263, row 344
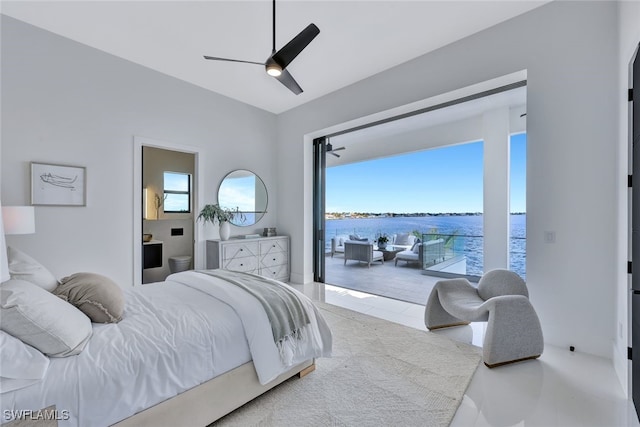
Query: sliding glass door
column 319, row 184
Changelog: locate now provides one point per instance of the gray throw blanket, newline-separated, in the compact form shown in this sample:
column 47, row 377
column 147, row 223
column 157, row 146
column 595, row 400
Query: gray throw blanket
column 283, row 307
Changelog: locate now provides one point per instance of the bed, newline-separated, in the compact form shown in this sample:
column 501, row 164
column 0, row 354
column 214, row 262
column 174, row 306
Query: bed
column 187, row 351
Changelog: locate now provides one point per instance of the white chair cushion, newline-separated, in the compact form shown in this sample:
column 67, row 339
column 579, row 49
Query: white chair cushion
column 407, row 255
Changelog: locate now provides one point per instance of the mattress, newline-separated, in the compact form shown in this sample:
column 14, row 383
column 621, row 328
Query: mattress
column 171, row 339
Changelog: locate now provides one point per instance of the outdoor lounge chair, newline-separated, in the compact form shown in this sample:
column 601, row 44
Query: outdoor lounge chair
column 337, row 244
column 501, row 299
column 403, row 241
column 361, row 251
column 432, row 251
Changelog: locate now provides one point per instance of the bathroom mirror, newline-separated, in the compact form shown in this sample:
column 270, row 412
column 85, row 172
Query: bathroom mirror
column 243, row 190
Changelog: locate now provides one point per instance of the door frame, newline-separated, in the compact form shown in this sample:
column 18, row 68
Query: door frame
column 198, row 249
column 634, row 229
column 319, row 205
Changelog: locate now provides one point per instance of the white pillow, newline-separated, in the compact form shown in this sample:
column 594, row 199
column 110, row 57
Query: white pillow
column 23, row 267
column 20, row 365
column 402, row 239
column 42, row 320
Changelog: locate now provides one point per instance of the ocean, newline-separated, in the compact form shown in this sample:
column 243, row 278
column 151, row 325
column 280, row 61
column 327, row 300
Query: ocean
column 467, row 229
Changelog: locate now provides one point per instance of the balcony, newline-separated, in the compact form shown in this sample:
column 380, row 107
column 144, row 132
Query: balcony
column 458, row 255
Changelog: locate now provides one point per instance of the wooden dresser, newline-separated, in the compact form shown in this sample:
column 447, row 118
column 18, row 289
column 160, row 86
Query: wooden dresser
column 266, row 256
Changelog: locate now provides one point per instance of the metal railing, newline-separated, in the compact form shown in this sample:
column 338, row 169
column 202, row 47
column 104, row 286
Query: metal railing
column 460, row 253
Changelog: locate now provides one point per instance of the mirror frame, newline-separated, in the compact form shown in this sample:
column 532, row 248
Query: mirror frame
column 258, row 213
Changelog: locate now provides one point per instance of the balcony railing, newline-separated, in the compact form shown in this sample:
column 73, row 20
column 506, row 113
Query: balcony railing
column 463, row 254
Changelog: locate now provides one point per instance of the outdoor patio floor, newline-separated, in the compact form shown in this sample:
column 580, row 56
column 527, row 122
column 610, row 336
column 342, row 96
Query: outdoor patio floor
column 403, row 282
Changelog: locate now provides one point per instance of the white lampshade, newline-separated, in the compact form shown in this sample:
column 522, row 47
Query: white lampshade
column 19, row 219
column 4, row 267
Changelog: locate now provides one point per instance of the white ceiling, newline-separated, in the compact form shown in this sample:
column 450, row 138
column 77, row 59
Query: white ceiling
column 455, row 124
column 357, row 38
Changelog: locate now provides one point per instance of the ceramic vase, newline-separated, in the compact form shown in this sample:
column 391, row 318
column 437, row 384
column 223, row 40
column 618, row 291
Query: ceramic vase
column 225, row 230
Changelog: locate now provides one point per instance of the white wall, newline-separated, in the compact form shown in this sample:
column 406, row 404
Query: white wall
column 63, row 102
column 629, row 34
column 569, row 50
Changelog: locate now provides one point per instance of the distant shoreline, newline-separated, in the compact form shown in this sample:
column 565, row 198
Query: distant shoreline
column 365, row 215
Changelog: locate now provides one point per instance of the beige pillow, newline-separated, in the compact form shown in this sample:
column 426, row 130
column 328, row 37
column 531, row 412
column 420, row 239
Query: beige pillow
column 40, row 319
column 97, row 296
column 23, row 267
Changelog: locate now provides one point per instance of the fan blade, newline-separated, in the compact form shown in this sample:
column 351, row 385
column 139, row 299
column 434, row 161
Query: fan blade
column 287, row 79
column 334, row 154
column 214, row 58
column 338, row 149
column 284, row 56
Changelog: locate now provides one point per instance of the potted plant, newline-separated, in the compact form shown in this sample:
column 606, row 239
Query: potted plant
column 382, row 241
column 213, row 213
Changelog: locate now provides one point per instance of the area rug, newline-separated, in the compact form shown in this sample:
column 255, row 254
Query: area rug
column 381, row 374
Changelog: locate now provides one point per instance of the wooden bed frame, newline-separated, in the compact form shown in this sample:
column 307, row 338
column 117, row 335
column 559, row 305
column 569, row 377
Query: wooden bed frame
column 211, row 400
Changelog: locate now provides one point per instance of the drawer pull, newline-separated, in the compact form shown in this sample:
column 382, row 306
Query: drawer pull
column 241, row 265
column 274, row 246
column 241, row 250
column 274, row 259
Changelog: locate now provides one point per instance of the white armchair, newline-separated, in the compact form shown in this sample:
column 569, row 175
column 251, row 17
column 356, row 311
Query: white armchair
column 337, row 244
column 403, row 241
column 361, row 251
column 501, row 299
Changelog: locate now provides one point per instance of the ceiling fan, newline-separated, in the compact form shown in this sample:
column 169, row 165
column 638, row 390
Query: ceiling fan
column 277, row 62
column 332, row 150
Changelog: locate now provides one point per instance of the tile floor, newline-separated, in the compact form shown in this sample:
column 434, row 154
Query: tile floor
column 404, row 281
column 560, row 389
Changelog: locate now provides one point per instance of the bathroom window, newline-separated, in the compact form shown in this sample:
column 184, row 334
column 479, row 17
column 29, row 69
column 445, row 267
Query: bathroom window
column 177, row 192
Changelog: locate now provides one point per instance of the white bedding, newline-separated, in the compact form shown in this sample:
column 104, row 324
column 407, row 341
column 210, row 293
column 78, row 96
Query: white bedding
column 266, row 356
column 172, row 338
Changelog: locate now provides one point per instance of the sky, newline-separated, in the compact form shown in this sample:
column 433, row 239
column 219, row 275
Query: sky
column 443, row 180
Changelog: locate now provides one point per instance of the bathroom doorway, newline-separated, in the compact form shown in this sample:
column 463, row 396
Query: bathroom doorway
column 168, row 212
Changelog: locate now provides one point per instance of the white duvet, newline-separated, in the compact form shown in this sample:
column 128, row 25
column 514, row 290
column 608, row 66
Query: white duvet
column 174, row 335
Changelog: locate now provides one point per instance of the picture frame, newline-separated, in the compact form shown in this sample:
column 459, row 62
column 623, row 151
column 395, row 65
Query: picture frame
column 58, row 185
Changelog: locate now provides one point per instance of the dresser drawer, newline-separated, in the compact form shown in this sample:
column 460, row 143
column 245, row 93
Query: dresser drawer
column 239, row 250
column 274, row 258
column 275, row 245
column 278, row 272
column 245, row 264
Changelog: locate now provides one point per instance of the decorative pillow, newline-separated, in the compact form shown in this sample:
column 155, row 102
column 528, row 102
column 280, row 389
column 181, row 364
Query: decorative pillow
column 357, row 238
column 97, row 296
column 402, row 239
column 42, row 320
column 23, row 267
column 20, row 364
column 416, row 248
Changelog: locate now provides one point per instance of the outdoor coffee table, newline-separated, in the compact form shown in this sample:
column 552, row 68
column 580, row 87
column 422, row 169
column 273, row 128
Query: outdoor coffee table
column 388, row 254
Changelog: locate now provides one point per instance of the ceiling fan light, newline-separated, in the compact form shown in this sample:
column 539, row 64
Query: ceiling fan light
column 274, row 70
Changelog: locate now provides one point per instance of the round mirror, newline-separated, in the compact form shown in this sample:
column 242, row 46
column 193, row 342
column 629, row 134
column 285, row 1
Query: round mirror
column 244, row 191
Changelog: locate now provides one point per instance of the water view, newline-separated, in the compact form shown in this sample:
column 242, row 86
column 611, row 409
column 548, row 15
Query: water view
column 468, row 230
